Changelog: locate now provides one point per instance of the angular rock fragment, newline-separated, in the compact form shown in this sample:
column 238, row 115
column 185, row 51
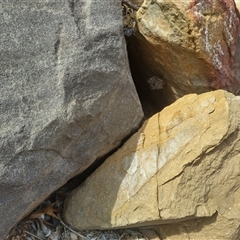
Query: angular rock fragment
column 193, row 46
column 183, row 164
column 66, row 99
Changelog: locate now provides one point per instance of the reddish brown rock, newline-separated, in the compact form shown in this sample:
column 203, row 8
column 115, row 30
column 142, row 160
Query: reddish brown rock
column 190, row 46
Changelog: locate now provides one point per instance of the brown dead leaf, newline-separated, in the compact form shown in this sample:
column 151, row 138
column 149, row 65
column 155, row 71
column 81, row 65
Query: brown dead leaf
column 48, row 210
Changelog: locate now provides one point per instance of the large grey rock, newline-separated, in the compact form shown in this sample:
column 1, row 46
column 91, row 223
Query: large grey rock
column 66, row 97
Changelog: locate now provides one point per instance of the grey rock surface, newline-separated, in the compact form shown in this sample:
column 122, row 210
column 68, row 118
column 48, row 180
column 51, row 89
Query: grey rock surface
column 66, row 97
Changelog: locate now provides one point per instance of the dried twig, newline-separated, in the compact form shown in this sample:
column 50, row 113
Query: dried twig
column 33, row 235
column 78, row 234
column 131, row 5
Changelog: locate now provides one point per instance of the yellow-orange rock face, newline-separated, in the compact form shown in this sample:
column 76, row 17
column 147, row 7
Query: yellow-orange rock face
column 184, row 163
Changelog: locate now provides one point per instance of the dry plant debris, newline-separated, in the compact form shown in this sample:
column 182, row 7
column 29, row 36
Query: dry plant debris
column 45, row 223
column 34, row 230
column 129, row 17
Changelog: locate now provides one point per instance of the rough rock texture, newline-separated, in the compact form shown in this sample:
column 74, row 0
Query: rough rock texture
column 190, row 46
column 236, row 59
column 184, row 163
column 217, row 227
column 237, row 4
column 137, row 2
column 66, row 98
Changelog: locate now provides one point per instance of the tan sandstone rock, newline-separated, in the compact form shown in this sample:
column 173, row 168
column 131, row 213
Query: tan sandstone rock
column 217, row 227
column 191, row 46
column 182, row 164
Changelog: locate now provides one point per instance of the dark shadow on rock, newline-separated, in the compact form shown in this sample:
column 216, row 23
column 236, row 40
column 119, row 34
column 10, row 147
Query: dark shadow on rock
column 184, row 228
column 152, row 97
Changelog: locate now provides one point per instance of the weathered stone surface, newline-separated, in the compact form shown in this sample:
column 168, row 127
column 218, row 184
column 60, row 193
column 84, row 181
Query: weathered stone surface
column 183, row 164
column 66, row 98
column 188, row 45
column 237, row 4
column 150, row 234
column 217, row 227
column 137, row 2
